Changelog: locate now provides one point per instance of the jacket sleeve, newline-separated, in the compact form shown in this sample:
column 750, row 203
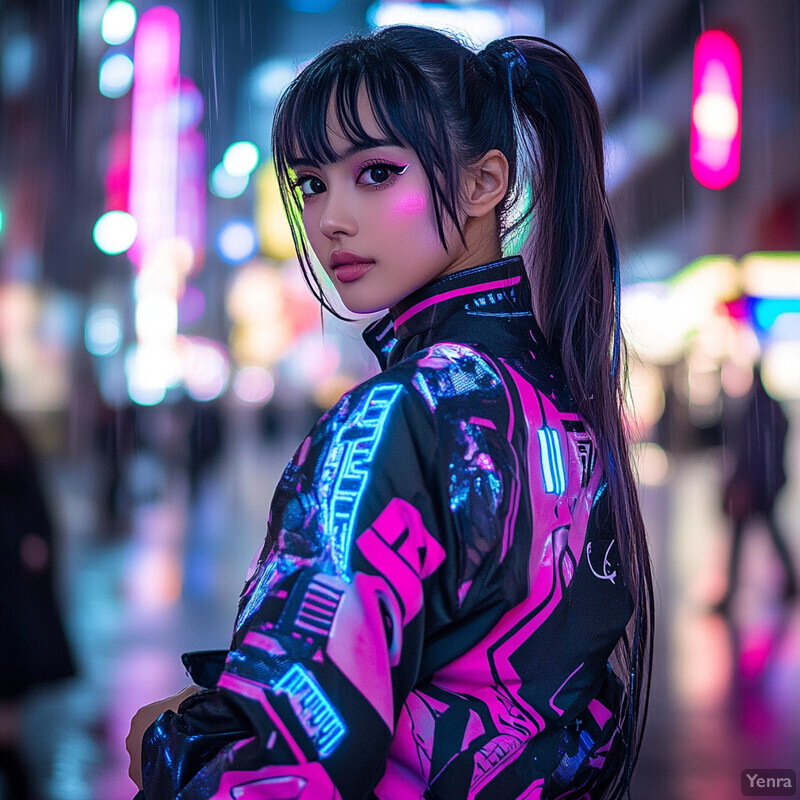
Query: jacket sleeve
column 331, row 623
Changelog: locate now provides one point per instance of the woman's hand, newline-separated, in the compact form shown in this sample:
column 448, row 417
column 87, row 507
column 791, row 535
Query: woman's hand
column 142, row 720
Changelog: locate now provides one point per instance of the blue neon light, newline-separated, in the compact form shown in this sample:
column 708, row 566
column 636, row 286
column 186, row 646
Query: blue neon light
column 553, row 472
column 766, row 310
column 346, row 469
column 317, row 715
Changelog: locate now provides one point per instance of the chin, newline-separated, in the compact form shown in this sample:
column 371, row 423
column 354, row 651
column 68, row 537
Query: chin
column 359, row 308
column 366, row 305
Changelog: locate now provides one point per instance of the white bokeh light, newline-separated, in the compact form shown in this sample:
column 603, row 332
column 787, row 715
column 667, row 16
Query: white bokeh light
column 225, row 185
column 115, row 232
column 254, row 385
column 116, row 75
column 481, row 24
column 119, row 22
column 241, row 158
column 237, row 241
column 206, row 368
column 103, row 330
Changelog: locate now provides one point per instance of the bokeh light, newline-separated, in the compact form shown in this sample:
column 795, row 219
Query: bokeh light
column 116, row 75
column 768, row 311
column 652, row 463
column 716, row 116
column 17, row 61
column 191, row 306
column 156, row 316
column 115, row 232
column 649, row 324
column 240, row 159
column 771, row 274
column 261, row 332
column 103, row 330
column 269, row 79
column 149, row 371
column 225, row 185
column 119, row 22
column 645, row 396
column 273, row 228
column 314, row 359
column 237, row 241
column 481, row 23
column 206, row 368
column 254, row 385
column 190, row 104
column 779, row 370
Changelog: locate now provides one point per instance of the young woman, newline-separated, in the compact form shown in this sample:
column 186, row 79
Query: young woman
column 454, row 598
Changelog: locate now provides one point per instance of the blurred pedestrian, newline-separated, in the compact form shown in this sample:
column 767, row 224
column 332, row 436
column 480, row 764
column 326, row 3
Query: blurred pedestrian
column 115, row 444
column 206, row 437
column 33, row 645
column 757, row 445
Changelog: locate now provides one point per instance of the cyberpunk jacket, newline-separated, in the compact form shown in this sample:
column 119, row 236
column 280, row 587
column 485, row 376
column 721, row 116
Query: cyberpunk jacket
column 439, row 593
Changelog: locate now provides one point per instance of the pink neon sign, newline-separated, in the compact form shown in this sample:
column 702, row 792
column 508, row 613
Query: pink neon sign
column 716, row 110
column 155, row 128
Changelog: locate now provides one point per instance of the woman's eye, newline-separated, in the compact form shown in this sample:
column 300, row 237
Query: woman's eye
column 380, row 173
column 311, row 185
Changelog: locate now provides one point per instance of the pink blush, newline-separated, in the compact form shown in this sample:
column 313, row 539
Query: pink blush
column 411, row 204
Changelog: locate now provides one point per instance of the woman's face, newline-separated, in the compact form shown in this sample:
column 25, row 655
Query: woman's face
column 369, row 219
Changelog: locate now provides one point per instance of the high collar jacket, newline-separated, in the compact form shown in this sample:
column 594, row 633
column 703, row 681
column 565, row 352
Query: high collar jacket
column 439, row 593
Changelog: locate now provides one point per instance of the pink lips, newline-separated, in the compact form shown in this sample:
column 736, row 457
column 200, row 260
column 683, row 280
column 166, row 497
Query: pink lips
column 348, row 267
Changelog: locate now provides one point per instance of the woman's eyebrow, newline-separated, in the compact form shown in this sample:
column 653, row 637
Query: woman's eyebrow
column 357, row 147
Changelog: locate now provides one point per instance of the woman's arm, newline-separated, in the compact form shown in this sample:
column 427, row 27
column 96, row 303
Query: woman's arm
column 331, row 628
column 387, row 515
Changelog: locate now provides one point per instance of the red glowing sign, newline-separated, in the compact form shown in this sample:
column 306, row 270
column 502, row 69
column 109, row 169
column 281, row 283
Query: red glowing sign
column 716, row 110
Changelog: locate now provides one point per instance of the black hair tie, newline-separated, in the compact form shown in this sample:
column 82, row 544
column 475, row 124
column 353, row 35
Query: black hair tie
column 507, row 64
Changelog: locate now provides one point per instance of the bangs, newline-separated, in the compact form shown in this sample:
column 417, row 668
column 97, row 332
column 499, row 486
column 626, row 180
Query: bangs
column 331, row 96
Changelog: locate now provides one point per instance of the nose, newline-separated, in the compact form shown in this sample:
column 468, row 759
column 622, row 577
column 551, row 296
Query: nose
column 338, row 218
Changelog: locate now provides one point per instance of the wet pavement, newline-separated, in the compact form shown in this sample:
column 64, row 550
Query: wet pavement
column 725, row 690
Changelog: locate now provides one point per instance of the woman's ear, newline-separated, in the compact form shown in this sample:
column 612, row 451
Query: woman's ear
column 485, row 184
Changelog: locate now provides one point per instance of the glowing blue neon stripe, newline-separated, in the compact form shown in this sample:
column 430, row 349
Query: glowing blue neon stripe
column 320, row 720
column 553, row 472
column 558, row 462
column 346, row 470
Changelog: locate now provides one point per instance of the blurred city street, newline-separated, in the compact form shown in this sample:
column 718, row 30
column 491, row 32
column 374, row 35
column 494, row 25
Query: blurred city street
column 725, row 689
column 161, row 356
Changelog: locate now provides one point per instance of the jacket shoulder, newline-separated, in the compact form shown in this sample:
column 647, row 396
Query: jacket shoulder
column 451, row 373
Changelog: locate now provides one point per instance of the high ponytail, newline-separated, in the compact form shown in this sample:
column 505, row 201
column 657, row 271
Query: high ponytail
column 571, row 255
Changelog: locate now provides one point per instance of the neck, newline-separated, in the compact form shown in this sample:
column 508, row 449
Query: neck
column 483, row 244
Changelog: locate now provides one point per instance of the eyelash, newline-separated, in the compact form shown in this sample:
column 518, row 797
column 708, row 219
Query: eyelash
column 395, row 169
column 300, row 180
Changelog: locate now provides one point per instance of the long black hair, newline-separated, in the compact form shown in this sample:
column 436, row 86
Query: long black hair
column 529, row 99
